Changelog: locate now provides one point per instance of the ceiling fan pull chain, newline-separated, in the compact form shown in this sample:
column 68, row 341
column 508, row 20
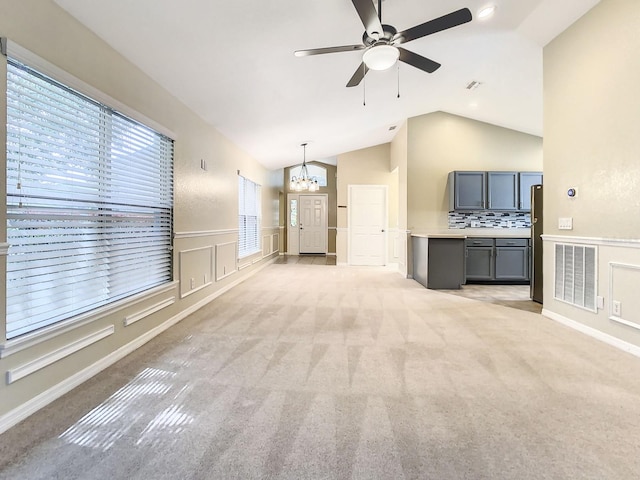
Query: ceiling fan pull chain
column 398, row 81
column 364, row 85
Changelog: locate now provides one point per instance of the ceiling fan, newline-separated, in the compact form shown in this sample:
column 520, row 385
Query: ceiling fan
column 381, row 42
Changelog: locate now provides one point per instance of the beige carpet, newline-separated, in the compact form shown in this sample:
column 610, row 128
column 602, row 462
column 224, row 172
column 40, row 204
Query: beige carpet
column 324, row 372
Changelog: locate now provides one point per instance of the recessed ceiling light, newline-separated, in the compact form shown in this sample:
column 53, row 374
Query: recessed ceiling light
column 486, row 12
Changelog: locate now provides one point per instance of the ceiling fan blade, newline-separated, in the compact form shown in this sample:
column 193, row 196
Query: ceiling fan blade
column 418, row 61
column 450, row 20
column 320, row 51
column 358, row 75
column 369, row 16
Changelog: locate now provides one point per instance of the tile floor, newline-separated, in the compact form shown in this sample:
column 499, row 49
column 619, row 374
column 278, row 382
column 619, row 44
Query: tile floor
column 514, row 296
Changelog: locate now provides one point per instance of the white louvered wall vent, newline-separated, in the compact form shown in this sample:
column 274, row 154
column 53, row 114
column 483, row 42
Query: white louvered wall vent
column 575, row 275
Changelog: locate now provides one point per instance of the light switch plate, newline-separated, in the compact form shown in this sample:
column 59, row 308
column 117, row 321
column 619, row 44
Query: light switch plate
column 565, row 223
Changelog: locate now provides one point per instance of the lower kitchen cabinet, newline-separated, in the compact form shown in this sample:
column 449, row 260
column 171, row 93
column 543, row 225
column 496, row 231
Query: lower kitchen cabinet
column 497, row 260
column 438, row 263
column 479, row 261
column 512, row 259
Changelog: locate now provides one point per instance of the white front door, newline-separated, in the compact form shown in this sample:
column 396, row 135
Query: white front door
column 367, row 224
column 313, row 224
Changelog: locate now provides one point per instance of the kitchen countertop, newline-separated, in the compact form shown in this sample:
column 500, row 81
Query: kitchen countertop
column 475, row 232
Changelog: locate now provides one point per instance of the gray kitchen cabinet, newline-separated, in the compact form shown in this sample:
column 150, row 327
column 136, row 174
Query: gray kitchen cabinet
column 445, row 263
column 499, row 191
column 467, row 190
column 499, row 260
column 502, row 190
column 527, row 180
column 438, row 263
column 512, row 259
column 479, row 260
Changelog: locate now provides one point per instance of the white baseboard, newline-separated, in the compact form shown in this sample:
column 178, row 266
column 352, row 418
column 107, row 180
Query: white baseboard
column 593, row 332
column 28, row 408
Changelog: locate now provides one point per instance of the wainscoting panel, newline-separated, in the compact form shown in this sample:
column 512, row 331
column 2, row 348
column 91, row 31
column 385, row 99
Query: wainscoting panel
column 266, row 245
column 623, row 291
column 196, row 269
column 225, row 260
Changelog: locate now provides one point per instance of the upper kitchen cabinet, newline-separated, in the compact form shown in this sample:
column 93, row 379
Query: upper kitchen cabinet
column 527, row 180
column 499, row 191
column 467, row 190
column 502, row 190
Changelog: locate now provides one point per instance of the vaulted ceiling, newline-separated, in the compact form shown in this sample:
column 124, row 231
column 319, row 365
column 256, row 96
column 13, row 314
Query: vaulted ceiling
column 232, row 62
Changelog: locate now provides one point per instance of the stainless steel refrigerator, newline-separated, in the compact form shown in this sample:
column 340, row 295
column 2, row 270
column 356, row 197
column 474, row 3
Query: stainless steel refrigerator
column 536, row 243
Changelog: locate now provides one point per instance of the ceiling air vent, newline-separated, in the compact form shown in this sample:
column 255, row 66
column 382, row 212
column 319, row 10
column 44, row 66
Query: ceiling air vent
column 392, row 127
column 472, row 85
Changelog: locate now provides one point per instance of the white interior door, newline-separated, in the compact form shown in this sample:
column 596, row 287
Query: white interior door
column 313, row 224
column 367, row 224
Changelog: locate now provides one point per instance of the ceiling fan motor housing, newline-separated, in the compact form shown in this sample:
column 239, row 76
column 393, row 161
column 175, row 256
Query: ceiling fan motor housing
column 389, row 32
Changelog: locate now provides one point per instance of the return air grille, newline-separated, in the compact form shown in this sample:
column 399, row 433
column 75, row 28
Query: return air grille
column 575, row 275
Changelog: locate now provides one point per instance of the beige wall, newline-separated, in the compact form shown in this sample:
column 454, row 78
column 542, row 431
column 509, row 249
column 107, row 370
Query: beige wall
column 206, row 204
column 369, row 166
column 438, row 143
column 591, row 142
column 592, row 123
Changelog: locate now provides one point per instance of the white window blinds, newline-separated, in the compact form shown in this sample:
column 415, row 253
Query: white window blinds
column 248, row 217
column 89, row 203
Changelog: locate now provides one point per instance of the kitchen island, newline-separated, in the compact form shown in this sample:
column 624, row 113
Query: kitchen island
column 439, row 257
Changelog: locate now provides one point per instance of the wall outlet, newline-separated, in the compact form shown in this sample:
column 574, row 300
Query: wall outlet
column 565, row 223
column 616, row 308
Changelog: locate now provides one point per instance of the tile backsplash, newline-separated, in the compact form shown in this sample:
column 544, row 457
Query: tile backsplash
column 489, row 219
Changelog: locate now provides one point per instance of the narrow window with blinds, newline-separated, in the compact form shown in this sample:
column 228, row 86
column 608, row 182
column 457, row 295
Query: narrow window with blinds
column 89, row 203
column 248, row 217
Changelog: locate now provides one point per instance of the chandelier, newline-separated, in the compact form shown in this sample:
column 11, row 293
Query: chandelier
column 303, row 181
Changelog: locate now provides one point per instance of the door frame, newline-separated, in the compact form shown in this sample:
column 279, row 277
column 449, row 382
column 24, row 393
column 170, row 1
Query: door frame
column 350, row 189
column 293, row 233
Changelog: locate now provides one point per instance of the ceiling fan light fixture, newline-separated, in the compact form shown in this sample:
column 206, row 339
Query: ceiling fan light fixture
column 381, row 57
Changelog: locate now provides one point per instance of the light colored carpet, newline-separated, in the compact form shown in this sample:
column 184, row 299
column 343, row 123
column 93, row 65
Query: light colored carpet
column 322, row 372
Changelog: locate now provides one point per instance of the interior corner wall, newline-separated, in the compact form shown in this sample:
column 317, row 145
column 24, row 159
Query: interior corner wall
column 205, row 213
column 398, row 163
column 368, row 166
column 438, row 143
column 591, row 143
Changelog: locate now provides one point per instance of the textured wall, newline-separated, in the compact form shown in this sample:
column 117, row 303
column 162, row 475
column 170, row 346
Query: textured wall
column 592, row 123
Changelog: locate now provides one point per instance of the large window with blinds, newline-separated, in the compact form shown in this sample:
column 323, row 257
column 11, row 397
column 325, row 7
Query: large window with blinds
column 248, row 217
column 89, row 203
